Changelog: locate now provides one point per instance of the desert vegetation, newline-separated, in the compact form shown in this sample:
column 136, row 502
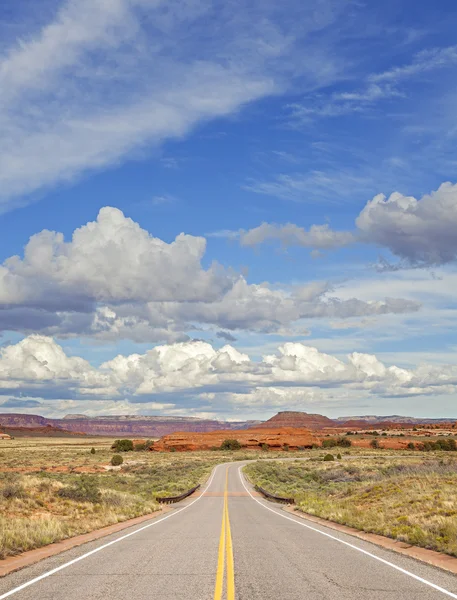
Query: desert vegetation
column 409, row 500
column 51, row 491
column 52, row 488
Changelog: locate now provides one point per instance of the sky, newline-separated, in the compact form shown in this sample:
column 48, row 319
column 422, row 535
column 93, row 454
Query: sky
column 228, row 209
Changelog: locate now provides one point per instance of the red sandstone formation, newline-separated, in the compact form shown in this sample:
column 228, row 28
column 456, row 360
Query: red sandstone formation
column 248, row 438
column 290, row 418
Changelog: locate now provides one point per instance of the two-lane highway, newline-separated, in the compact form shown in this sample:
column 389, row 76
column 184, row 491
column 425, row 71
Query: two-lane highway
column 229, row 543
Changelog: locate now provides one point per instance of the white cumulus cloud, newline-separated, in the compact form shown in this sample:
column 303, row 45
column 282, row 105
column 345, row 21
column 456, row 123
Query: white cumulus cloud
column 115, row 280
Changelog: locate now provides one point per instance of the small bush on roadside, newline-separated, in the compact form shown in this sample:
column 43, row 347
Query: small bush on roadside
column 84, row 490
column 117, row 460
column 329, row 457
column 285, row 447
column 264, row 447
column 411, row 446
column 122, row 446
column 374, row 443
column 338, row 456
column 172, row 449
column 230, row 445
column 92, row 450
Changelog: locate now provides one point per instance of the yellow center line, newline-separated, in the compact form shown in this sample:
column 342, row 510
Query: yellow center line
column 225, row 553
column 229, row 548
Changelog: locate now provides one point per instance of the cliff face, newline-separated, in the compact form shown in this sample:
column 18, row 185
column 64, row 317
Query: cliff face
column 295, row 419
column 248, row 438
column 120, row 426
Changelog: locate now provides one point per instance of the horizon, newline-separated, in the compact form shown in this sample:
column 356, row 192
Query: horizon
column 222, row 226
column 164, row 416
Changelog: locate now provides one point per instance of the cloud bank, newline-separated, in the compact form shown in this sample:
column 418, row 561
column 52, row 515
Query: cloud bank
column 419, row 232
column 38, row 367
column 115, row 280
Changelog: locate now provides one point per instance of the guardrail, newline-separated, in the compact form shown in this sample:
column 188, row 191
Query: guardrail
column 172, row 499
column 273, row 497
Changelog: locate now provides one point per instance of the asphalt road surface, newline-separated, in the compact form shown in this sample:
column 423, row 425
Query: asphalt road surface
column 228, row 543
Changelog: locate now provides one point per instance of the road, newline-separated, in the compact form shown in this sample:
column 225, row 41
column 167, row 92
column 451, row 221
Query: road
column 228, row 543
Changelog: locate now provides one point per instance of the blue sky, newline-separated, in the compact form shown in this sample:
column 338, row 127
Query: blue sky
column 307, row 153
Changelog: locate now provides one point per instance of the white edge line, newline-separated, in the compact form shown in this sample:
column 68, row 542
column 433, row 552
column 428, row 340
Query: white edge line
column 382, row 560
column 75, row 560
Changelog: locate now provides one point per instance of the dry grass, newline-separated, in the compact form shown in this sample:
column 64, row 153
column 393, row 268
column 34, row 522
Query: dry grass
column 409, row 500
column 52, row 488
column 44, row 497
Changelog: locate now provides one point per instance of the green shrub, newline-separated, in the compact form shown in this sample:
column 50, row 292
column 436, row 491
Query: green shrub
column 117, row 460
column 92, row 450
column 374, row 443
column 230, row 445
column 328, row 457
column 122, row 446
column 285, row 447
column 344, row 442
column 330, row 443
column 338, row 456
column 172, row 449
column 264, row 447
column 448, row 445
column 411, row 446
column 84, row 490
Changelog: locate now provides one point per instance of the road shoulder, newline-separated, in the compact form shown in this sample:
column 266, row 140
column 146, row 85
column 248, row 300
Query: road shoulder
column 25, row 559
column 431, row 557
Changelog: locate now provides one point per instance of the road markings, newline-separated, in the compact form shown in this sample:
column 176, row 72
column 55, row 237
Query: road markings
column 225, row 553
column 75, row 560
column 332, row 537
column 229, row 547
column 221, row 559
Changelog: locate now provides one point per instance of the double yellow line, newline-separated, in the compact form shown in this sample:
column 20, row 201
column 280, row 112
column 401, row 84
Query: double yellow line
column 225, row 552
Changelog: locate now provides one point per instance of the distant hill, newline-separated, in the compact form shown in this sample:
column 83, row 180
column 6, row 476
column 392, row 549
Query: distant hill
column 290, row 418
column 374, row 419
column 158, row 426
column 124, row 425
column 47, row 431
